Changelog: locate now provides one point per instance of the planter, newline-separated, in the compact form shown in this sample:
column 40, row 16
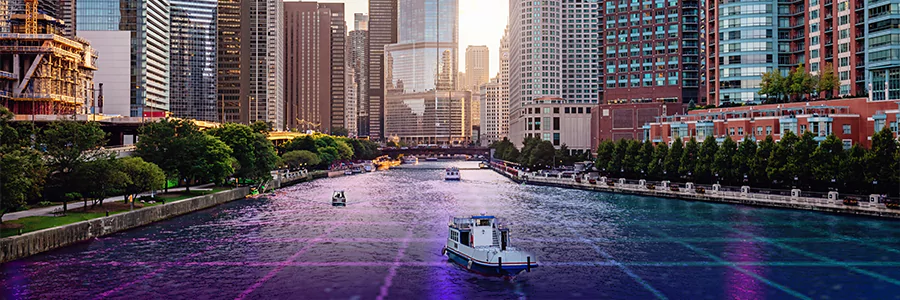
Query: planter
column 651, row 187
column 700, row 190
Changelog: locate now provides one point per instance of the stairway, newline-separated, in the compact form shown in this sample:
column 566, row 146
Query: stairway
column 496, row 238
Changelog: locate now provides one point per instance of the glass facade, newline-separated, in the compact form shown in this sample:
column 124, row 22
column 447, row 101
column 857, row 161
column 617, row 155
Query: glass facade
column 193, row 60
column 747, row 42
column 883, row 48
column 148, row 23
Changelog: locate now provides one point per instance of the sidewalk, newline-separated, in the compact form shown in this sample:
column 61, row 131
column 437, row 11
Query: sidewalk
column 48, row 211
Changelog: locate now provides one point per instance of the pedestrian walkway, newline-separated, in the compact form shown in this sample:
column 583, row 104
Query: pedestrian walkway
column 48, row 211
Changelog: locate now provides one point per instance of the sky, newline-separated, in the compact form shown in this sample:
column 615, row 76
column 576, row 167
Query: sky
column 481, row 22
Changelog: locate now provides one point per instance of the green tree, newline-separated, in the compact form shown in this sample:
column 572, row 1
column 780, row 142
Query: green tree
column 68, row 146
column 528, row 145
column 141, row 176
column 882, row 165
column 617, row 163
column 658, row 161
column 705, row 160
column 564, row 157
column 759, row 173
column 254, row 153
column 340, row 131
column 363, row 149
column 99, row 179
column 826, row 81
column 632, row 161
column 22, row 176
column 505, row 150
column 780, row 168
column 773, row 84
column 168, row 144
column 828, row 162
column 800, row 160
column 689, row 158
column 857, row 163
column 745, row 160
column 213, row 161
column 724, row 161
column 542, row 155
column 673, row 160
column 604, row 154
column 645, row 158
column 801, row 83
column 306, row 142
column 300, row 158
column 261, row 127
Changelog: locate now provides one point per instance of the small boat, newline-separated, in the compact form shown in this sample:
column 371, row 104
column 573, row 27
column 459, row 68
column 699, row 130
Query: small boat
column 357, row 169
column 452, row 173
column 411, row 160
column 348, row 172
column 368, row 168
column 481, row 244
column 338, row 199
column 431, row 158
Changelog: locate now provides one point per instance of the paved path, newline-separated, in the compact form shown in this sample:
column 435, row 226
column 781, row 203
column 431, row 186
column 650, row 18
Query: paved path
column 48, row 211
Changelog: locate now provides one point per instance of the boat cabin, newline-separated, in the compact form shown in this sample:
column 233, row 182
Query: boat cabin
column 478, row 231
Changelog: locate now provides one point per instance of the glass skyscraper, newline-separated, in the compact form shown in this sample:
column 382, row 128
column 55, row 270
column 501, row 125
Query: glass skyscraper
column 146, row 23
column 193, row 59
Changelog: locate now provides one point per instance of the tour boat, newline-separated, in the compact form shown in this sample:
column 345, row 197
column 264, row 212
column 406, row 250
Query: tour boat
column 338, row 199
column 368, row 168
column 452, row 173
column 481, row 244
column 431, row 158
column 412, row 160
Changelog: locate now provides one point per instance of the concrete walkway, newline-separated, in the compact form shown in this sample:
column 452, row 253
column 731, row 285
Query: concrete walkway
column 48, row 211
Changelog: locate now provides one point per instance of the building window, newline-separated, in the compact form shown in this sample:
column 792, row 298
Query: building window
column 759, row 131
column 768, row 130
column 740, row 130
column 894, row 127
column 730, row 130
column 556, row 139
column 556, row 123
column 547, row 137
column 802, row 129
column 567, row 110
column 846, row 129
column 556, row 110
column 848, row 144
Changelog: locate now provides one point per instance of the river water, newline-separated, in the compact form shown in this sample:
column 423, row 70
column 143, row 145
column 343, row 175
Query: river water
column 386, row 245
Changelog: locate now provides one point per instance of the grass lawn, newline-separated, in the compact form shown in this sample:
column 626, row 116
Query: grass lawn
column 36, row 223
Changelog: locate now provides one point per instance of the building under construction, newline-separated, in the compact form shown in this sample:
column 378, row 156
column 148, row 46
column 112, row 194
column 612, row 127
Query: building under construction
column 42, row 71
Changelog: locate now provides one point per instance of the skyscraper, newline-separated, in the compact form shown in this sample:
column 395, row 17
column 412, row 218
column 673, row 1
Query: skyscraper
column 382, row 31
column 580, row 49
column 421, row 72
column 358, row 70
column 251, row 61
column 308, row 49
column 361, row 21
column 478, row 61
column 503, row 79
column 134, row 40
column 193, row 60
column 338, row 63
column 492, row 112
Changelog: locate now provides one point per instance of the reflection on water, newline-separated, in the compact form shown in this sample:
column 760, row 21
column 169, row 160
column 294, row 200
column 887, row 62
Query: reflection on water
column 386, row 244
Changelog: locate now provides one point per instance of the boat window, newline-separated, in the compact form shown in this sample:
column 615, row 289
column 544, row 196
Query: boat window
column 484, row 222
column 464, row 238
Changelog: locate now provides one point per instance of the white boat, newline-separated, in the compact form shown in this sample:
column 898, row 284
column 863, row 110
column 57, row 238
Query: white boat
column 348, row 172
column 452, row 173
column 338, row 199
column 411, row 160
column 431, row 158
column 368, row 168
column 481, row 244
column 357, row 169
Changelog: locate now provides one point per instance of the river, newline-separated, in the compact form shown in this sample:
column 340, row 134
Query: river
column 386, row 244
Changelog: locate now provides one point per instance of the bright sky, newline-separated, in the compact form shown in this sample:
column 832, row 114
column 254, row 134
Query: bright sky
column 481, row 22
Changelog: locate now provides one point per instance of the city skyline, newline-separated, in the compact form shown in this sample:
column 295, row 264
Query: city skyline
column 481, row 22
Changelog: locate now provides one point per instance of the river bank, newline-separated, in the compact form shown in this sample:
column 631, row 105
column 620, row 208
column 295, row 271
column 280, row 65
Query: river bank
column 862, row 208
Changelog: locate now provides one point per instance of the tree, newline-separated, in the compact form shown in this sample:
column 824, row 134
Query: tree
column 564, row 157
column 773, row 84
column 167, row 144
column 763, row 153
column 617, row 163
column 363, row 149
column 745, row 160
column 724, row 161
column 340, row 131
column 801, row 83
column 646, row 157
column 22, row 176
column 300, row 158
column 306, row 142
column 673, row 160
column 141, row 176
column 689, row 158
column 100, row 178
column 528, row 145
column 800, row 160
column 780, row 169
column 828, row 162
column 542, row 155
column 255, row 155
column 505, row 150
column 826, row 82
column 68, row 146
column 705, row 160
column 212, row 160
column 857, row 163
column 658, row 161
column 604, row 154
column 632, row 159
column 882, row 167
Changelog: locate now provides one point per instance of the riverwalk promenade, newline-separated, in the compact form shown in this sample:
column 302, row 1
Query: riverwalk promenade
column 832, row 203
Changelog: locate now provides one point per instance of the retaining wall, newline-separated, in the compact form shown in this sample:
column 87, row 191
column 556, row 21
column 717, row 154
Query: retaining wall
column 16, row 247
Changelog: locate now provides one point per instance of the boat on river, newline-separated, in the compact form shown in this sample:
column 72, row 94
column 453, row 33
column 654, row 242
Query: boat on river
column 357, row 169
column 431, row 158
column 368, row 168
column 338, row 198
column 348, row 172
column 481, row 244
column 410, row 160
column 483, row 165
column 451, row 173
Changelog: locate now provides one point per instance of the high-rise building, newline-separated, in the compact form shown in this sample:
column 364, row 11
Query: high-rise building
column 352, row 105
column 492, row 112
column 361, row 21
column 659, row 63
column 135, row 43
column 193, row 60
column 478, row 61
column 882, row 45
column 358, row 70
column 550, row 68
column 4, row 15
column 421, row 75
column 308, row 51
column 745, row 40
column 503, row 79
column 68, row 13
column 382, row 31
column 338, row 63
column 251, row 61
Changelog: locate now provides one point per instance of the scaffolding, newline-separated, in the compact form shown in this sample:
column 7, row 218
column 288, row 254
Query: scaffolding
column 43, row 72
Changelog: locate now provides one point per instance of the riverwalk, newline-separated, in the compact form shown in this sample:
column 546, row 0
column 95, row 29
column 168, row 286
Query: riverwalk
column 834, row 204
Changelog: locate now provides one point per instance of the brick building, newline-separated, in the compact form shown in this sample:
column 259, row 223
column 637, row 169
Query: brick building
column 616, row 121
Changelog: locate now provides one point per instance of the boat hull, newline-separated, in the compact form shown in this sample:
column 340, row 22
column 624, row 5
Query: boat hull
column 338, row 204
column 489, row 269
column 452, row 178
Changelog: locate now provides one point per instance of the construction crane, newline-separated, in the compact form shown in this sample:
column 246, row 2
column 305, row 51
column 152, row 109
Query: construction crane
column 31, row 21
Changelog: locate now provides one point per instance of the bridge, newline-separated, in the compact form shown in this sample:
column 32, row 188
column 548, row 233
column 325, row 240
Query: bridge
column 435, row 151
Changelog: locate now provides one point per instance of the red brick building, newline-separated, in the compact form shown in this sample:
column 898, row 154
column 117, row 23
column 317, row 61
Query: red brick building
column 626, row 120
column 851, row 120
